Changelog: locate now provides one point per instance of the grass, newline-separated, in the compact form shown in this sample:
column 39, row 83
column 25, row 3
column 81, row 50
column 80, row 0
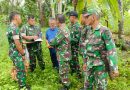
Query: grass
column 48, row 79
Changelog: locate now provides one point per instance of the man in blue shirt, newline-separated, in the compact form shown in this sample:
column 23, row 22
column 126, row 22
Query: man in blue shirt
column 50, row 34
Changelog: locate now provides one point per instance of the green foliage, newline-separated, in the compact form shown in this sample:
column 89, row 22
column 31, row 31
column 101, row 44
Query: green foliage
column 126, row 4
column 30, row 7
column 47, row 10
column 4, row 7
column 80, row 6
column 122, row 82
column 127, row 22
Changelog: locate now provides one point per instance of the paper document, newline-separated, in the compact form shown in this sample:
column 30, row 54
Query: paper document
column 38, row 40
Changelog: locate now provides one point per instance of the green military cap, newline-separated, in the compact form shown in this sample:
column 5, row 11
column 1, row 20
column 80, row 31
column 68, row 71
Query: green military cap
column 90, row 12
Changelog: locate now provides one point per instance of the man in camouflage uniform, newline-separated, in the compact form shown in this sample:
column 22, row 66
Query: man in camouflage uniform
column 16, row 52
column 30, row 32
column 75, row 34
column 99, row 52
column 62, row 44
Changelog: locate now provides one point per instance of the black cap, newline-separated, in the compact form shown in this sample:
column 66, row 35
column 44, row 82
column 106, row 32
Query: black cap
column 73, row 13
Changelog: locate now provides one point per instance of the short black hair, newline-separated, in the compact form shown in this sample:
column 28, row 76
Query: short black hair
column 60, row 18
column 12, row 14
column 30, row 16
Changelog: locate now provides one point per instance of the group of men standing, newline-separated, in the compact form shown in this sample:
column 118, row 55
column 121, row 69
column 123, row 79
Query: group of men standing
column 19, row 40
column 91, row 40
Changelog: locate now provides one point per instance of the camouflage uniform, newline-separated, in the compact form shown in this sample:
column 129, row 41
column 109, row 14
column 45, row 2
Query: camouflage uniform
column 96, row 46
column 34, row 48
column 75, row 34
column 16, row 57
column 62, row 45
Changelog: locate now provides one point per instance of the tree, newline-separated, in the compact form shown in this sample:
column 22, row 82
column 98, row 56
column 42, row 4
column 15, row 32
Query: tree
column 75, row 2
column 121, row 20
column 41, row 13
column 59, row 6
column 52, row 8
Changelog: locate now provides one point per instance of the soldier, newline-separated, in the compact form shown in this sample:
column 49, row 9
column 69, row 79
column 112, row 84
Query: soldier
column 50, row 34
column 30, row 32
column 99, row 52
column 16, row 52
column 62, row 44
column 75, row 34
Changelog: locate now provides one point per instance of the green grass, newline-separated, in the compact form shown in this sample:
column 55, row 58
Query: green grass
column 48, row 79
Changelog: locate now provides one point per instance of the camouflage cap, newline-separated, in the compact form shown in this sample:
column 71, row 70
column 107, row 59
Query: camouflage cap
column 90, row 12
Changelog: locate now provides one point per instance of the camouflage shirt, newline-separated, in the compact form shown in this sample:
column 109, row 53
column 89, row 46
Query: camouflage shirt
column 12, row 33
column 62, row 43
column 75, row 32
column 29, row 30
column 97, row 45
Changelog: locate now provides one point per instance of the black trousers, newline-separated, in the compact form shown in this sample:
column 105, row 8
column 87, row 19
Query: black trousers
column 35, row 52
column 54, row 57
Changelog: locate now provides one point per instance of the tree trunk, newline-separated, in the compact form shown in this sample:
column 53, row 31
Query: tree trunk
column 121, row 20
column 52, row 8
column 60, row 7
column 75, row 4
column 41, row 13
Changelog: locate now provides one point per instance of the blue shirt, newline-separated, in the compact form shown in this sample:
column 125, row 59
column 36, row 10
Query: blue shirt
column 51, row 33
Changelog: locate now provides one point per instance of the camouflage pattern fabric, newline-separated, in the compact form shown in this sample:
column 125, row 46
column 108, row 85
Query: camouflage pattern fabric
column 96, row 46
column 35, row 51
column 35, row 48
column 95, row 76
column 13, row 33
column 62, row 45
column 75, row 33
column 29, row 30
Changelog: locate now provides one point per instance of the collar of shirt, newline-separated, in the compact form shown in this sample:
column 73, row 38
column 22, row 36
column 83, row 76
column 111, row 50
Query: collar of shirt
column 88, row 27
column 53, row 29
column 98, row 27
column 30, row 25
column 62, row 27
column 12, row 24
column 75, row 23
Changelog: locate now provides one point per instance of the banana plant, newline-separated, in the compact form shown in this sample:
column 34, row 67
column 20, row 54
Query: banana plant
column 113, row 10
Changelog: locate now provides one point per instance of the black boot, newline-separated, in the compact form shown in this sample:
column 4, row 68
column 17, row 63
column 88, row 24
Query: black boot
column 79, row 76
column 65, row 88
column 42, row 67
column 32, row 69
column 27, row 87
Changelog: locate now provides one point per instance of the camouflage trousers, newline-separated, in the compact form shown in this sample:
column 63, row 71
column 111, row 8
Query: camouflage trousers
column 64, row 71
column 74, row 62
column 35, row 52
column 20, row 68
column 96, row 77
